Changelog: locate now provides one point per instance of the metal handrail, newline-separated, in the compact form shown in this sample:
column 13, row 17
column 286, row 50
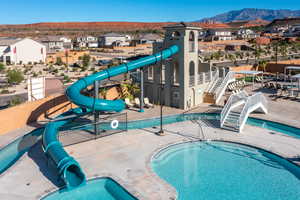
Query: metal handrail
column 213, row 79
column 233, row 99
column 229, row 76
column 251, row 101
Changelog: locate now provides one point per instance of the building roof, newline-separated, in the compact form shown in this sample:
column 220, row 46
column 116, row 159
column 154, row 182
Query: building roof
column 113, row 35
column 149, row 36
column 50, row 39
column 7, row 41
column 182, row 25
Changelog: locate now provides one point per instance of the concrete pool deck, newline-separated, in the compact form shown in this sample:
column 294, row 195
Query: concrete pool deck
column 126, row 158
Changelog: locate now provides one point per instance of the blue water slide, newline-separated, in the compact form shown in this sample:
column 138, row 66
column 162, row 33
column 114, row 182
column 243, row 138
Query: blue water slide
column 68, row 168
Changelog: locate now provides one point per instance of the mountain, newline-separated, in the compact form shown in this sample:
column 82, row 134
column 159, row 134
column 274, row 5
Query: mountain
column 252, row 14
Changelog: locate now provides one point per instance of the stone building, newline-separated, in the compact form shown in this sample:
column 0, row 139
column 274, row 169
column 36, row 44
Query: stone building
column 184, row 79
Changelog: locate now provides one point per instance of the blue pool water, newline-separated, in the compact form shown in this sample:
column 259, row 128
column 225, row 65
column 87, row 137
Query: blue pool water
column 97, row 189
column 226, row 171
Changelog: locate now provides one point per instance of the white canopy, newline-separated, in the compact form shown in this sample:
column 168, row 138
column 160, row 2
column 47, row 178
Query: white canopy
column 249, row 72
column 292, row 67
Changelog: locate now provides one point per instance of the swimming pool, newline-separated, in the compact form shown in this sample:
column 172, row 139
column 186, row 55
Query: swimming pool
column 219, row 170
column 101, row 188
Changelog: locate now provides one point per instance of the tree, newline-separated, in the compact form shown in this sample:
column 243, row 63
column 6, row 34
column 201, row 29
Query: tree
column 2, row 67
column 14, row 76
column 59, row 61
column 86, row 60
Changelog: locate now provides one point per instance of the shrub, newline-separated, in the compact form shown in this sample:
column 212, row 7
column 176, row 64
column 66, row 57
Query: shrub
column 86, row 60
column 59, row 61
column 14, row 76
column 15, row 101
column 2, row 67
column 4, row 91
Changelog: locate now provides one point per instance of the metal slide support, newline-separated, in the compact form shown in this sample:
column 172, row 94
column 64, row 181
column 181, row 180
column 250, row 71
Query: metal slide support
column 96, row 113
column 142, row 90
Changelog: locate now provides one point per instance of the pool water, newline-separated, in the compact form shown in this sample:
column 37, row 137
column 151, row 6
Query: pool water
column 226, row 171
column 97, row 189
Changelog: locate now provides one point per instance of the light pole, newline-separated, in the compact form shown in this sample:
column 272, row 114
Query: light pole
column 161, row 131
column 142, row 90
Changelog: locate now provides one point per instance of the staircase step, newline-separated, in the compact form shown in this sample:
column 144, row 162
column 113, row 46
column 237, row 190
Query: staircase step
column 230, row 128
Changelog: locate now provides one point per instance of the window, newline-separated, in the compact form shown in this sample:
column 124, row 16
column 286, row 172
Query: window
column 150, row 73
column 175, row 35
column 176, row 73
column 192, row 74
column 192, row 41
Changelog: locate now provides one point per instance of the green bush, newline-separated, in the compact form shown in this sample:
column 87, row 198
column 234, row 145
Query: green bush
column 15, row 101
column 14, row 76
column 2, row 67
column 86, row 60
column 59, row 61
column 4, row 91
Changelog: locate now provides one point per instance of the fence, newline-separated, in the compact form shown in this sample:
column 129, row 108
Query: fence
column 86, row 129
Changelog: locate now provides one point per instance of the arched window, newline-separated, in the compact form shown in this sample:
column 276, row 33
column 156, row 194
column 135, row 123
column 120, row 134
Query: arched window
column 192, row 73
column 175, row 35
column 192, row 41
column 176, row 73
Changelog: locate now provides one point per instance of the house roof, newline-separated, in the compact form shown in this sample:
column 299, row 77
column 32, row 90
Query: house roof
column 149, row 36
column 113, row 35
column 6, row 41
column 182, row 25
column 50, row 39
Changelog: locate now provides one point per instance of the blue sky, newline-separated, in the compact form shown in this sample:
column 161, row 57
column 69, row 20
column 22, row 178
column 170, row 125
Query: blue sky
column 32, row 11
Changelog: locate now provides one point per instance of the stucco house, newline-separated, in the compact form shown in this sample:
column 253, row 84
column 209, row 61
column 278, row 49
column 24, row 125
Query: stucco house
column 114, row 39
column 21, row 51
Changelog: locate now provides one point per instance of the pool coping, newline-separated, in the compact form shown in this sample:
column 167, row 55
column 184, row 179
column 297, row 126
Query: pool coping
column 166, row 146
column 129, row 188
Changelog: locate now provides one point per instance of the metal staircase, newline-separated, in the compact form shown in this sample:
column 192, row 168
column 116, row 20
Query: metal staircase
column 218, row 87
column 236, row 111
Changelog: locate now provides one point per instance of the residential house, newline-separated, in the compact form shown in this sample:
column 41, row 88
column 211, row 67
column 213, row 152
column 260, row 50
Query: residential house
column 87, row 41
column 282, row 25
column 293, row 31
column 148, row 38
column 219, row 34
column 52, row 43
column 114, row 40
column 21, row 51
column 245, row 34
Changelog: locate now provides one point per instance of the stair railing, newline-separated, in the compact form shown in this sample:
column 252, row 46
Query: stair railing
column 220, row 90
column 233, row 99
column 252, row 102
column 213, row 80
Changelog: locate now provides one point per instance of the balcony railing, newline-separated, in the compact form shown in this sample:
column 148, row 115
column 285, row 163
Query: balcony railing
column 192, row 81
column 191, row 46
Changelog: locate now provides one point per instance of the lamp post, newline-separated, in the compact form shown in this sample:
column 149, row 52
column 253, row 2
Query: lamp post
column 142, row 90
column 161, row 131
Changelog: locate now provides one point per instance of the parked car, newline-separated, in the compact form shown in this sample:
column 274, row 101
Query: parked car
column 104, row 62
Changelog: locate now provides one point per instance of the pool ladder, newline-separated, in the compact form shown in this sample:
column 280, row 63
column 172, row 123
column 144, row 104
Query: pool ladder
column 201, row 134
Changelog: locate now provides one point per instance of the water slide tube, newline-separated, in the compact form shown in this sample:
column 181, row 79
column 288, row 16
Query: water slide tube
column 68, row 168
